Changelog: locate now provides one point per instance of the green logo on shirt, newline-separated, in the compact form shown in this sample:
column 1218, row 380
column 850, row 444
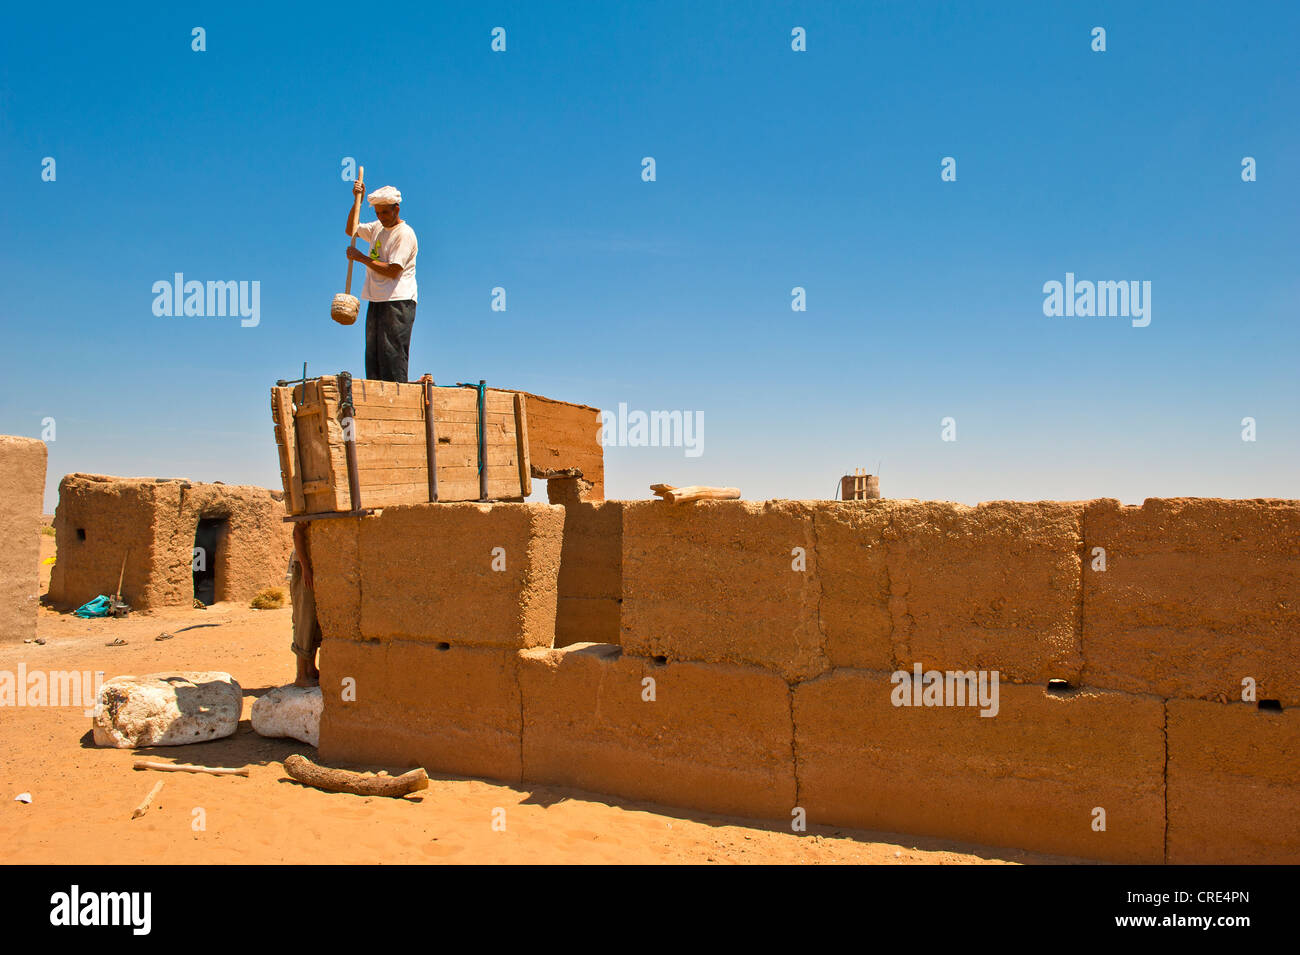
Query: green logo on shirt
column 374, row 251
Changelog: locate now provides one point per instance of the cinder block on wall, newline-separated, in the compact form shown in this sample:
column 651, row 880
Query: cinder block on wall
column 1031, row 776
column 714, row 737
column 993, row 587
column 722, row 582
column 467, row 574
column 1234, row 784
column 1197, row 595
column 22, row 496
column 451, row 711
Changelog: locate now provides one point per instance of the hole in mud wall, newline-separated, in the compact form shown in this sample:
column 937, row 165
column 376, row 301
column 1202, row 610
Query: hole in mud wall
column 209, row 540
column 1060, row 686
column 444, row 646
column 661, row 661
column 81, row 533
column 1274, row 706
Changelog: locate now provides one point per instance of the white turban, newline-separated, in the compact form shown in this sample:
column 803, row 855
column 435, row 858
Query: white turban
column 385, row 196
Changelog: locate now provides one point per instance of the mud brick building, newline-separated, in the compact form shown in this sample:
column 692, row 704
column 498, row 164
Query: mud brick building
column 156, row 525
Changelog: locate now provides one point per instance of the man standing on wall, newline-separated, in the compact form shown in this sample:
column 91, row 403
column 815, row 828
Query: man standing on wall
column 390, row 281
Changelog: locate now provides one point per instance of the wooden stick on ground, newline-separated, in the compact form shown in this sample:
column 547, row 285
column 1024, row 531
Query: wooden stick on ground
column 141, row 809
column 360, row 784
column 189, row 768
column 695, row 492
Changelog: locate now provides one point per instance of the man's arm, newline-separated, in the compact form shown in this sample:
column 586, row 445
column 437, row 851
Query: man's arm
column 389, row 270
column 354, row 214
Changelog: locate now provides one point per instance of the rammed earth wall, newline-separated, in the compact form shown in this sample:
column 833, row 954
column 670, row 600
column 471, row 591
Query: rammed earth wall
column 22, row 493
column 743, row 657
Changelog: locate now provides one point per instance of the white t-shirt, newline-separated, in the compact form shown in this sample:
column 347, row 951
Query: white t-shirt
column 396, row 245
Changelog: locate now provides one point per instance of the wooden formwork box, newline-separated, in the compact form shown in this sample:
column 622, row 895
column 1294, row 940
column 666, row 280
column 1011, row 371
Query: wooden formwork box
column 859, row 486
column 392, row 436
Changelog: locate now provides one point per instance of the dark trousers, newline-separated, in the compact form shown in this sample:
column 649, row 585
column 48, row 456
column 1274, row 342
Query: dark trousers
column 388, row 339
column 306, row 626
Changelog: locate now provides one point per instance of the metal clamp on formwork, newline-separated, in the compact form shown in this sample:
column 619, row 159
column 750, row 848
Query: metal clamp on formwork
column 482, row 436
column 284, row 382
column 430, row 436
column 347, row 413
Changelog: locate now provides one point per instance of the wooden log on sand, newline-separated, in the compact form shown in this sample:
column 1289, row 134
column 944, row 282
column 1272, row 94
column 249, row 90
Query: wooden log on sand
column 359, row 784
column 141, row 809
column 695, row 492
column 190, row 768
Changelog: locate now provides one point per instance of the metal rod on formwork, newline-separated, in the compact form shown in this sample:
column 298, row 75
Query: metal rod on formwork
column 482, row 441
column 347, row 412
column 430, row 437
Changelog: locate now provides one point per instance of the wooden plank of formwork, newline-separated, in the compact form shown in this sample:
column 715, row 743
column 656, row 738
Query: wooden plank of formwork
column 465, row 434
column 445, row 449
column 502, row 402
column 377, row 475
column 392, row 394
column 505, row 485
column 449, row 491
column 377, row 395
column 470, row 416
column 371, row 457
column 455, row 399
column 411, row 432
column 501, row 456
column 408, row 485
column 320, row 451
column 313, row 455
column 393, row 494
column 408, row 400
column 380, row 472
column 375, row 479
column 313, row 450
column 330, row 397
column 286, row 441
column 521, row 445
column 449, row 455
column 407, row 464
column 326, row 515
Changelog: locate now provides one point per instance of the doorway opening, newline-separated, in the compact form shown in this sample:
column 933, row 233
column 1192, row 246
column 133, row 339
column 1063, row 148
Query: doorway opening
column 208, row 539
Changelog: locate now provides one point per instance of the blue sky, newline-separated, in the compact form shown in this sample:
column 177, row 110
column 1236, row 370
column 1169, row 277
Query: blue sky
column 775, row 169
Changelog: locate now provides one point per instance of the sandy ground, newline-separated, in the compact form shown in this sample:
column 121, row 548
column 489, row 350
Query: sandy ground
column 82, row 796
